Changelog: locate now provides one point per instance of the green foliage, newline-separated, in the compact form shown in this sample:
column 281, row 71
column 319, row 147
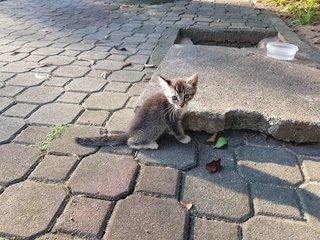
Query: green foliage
column 55, row 131
column 222, row 141
column 302, row 12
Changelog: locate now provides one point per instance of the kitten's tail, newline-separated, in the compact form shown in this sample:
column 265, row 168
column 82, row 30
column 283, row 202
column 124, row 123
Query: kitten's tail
column 108, row 140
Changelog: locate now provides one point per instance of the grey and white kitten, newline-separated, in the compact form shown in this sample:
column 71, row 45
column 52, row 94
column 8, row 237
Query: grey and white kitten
column 159, row 113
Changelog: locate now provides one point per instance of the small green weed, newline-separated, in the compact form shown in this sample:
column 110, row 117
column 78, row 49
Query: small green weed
column 55, row 131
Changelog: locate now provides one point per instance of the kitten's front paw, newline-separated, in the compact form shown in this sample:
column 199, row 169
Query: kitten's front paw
column 186, row 139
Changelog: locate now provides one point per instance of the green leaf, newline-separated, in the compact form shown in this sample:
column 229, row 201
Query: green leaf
column 221, row 142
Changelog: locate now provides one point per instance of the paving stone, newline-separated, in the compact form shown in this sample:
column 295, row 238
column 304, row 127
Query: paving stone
column 311, row 169
column 54, row 168
column 27, row 79
column 57, row 81
column 84, row 216
column 93, row 117
column 268, row 165
column 48, row 51
column 109, row 65
column 275, row 201
column 18, row 67
column 120, row 149
column 9, row 127
column 159, row 180
column 71, row 71
column 105, row 175
column 260, row 228
column 93, row 55
column 132, row 102
column 66, row 142
column 32, row 134
column 8, row 48
column 10, row 91
column 117, row 87
column 72, row 97
column 117, row 57
column 255, row 138
column 10, row 57
column 211, row 229
column 170, row 153
column 106, row 100
column 58, row 60
column 28, row 208
column 79, row 47
column 147, row 218
column 309, row 194
column 120, row 120
column 55, row 113
column 137, row 88
column 16, row 162
column 5, row 76
column 40, row 94
column 58, row 237
column 223, row 195
column 306, row 149
column 86, row 84
column 5, row 103
column 142, row 59
column 126, row 76
column 20, row 110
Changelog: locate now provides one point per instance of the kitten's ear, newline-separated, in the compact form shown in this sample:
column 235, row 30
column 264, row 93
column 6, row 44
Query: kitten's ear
column 165, row 84
column 193, row 80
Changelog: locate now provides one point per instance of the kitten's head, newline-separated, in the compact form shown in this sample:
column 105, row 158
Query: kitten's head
column 179, row 91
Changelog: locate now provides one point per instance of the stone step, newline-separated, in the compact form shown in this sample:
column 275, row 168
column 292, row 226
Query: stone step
column 244, row 89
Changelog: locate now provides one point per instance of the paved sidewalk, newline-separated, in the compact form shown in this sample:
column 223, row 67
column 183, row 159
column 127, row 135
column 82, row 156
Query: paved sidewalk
column 67, row 62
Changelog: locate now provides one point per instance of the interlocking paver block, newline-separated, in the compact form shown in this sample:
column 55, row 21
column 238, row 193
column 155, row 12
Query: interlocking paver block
column 16, row 161
column 159, row 180
column 10, row 91
column 94, row 55
column 27, row 79
column 5, row 103
column 170, row 153
column 106, row 100
column 5, row 76
column 66, row 142
column 306, row 149
column 311, row 169
column 20, row 110
column 84, row 216
column 32, row 134
column 107, row 175
column 71, row 71
column 28, row 208
column 117, row 87
column 54, row 168
column 120, row 120
column 48, row 51
column 58, row 60
column 210, row 229
column 276, row 201
column 72, row 97
column 40, row 94
column 109, row 65
column 9, row 127
column 260, row 139
column 86, row 84
column 93, row 117
column 309, row 194
column 126, row 76
column 137, row 88
column 58, row 237
column 261, row 228
column 142, row 59
column 55, row 113
column 143, row 217
column 268, row 165
column 56, row 81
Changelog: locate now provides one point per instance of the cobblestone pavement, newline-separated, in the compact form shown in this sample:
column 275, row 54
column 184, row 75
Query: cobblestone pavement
column 66, row 62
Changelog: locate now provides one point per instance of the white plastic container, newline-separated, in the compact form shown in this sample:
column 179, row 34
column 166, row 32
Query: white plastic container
column 281, row 51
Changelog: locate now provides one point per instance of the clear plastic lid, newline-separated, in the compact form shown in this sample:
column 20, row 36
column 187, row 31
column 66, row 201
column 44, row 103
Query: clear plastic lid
column 278, row 46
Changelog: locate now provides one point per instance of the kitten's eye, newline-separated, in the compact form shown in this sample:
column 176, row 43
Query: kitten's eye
column 186, row 96
column 174, row 98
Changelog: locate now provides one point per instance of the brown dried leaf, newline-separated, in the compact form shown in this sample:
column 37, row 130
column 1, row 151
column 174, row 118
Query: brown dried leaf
column 105, row 75
column 213, row 138
column 147, row 79
column 213, row 166
column 41, row 65
column 14, row 53
column 92, row 62
column 149, row 66
column 186, row 204
column 120, row 48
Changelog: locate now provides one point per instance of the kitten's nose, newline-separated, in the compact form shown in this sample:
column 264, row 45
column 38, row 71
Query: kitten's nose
column 181, row 104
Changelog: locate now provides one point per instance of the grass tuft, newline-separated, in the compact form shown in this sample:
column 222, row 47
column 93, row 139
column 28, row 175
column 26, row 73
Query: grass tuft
column 55, row 131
